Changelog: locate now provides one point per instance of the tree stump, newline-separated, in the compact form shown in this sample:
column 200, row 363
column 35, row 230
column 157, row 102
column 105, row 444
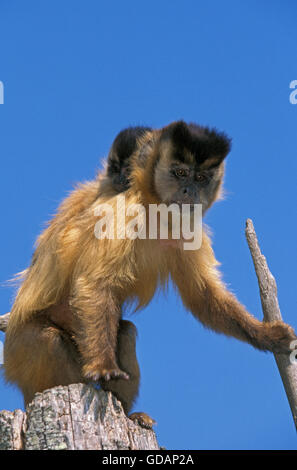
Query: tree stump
column 75, row 417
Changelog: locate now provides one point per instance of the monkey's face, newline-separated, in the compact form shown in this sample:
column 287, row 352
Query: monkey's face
column 189, row 167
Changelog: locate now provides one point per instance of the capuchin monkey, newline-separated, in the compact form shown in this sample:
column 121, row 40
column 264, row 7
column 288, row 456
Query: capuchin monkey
column 91, row 279
column 60, row 321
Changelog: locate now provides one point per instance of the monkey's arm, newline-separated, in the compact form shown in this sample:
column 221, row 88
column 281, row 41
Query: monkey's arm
column 99, row 314
column 206, row 297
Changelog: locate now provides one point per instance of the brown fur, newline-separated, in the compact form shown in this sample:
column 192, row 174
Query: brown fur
column 90, row 278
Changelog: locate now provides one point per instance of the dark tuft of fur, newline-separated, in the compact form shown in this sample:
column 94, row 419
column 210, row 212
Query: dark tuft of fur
column 125, row 142
column 203, row 142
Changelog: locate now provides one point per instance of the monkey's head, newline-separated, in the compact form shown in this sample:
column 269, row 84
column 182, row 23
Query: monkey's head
column 118, row 162
column 186, row 164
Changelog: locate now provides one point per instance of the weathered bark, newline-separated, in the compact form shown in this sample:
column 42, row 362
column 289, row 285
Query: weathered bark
column 271, row 311
column 76, row 417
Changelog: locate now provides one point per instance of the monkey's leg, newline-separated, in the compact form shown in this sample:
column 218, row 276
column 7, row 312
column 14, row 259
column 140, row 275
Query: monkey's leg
column 126, row 391
column 38, row 356
column 205, row 295
column 99, row 314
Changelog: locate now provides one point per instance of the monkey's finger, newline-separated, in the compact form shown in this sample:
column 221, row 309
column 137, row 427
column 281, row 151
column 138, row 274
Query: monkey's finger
column 92, row 376
column 107, row 375
column 116, row 374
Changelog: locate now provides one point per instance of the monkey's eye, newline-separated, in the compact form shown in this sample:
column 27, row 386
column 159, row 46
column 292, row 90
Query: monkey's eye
column 201, row 178
column 181, row 172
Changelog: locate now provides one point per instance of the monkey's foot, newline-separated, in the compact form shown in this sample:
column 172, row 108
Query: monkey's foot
column 142, row 419
column 95, row 374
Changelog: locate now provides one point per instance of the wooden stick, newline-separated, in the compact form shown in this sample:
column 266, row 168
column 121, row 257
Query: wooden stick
column 287, row 364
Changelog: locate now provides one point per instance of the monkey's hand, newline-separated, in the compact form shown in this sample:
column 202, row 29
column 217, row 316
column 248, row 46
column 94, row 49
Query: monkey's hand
column 142, row 419
column 280, row 337
column 94, row 373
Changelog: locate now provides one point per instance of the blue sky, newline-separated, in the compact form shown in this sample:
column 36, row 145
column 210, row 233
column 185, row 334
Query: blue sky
column 74, row 74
